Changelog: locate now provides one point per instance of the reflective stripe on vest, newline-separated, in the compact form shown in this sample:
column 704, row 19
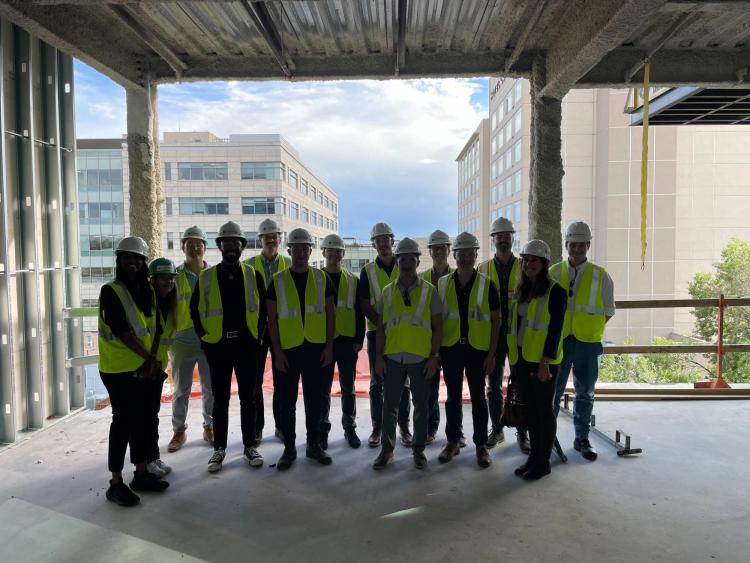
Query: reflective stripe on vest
column 488, row 269
column 427, row 275
column 211, row 308
column 536, row 327
column 257, row 263
column 292, row 331
column 346, row 324
column 408, row 329
column 378, row 279
column 184, row 294
column 584, row 316
column 478, row 313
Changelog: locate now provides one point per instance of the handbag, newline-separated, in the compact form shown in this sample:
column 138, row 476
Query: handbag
column 152, row 370
column 514, row 410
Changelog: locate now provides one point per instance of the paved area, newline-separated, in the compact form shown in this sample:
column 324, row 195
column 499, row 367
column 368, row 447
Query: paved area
column 684, row 499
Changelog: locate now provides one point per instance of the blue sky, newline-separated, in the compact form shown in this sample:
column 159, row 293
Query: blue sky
column 386, row 147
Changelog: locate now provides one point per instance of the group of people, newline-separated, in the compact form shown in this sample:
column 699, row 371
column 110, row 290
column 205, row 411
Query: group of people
column 545, row 319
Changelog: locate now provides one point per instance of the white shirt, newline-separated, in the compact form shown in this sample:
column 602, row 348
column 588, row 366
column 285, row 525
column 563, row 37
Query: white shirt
column 608, row 287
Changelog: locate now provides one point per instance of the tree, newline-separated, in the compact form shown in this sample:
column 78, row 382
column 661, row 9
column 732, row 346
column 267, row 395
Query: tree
column 649, row 368
column 731, row 277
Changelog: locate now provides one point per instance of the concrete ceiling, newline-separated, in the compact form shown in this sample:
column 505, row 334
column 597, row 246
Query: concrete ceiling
column 584, row 43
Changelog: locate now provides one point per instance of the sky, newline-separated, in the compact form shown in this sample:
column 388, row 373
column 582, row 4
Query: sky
column 387, row 148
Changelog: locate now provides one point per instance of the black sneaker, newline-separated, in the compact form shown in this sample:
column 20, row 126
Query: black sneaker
column 351, row 437
column 148, row 482
column 287, row 458
column 462, row 441
column 522, row 437
column 316, row 452
column 587, row 450
column 431, row 436
column 323, row 441
column 521, row 469
column 253, row 457
column 495, row 437
column 382, row 461
column 420, row 460
column 119, row 493
column 406, row 436
column 217, row 458
column 537, row 471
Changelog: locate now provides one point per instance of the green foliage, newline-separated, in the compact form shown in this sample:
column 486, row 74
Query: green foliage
column 732, row 278
column 649, row 368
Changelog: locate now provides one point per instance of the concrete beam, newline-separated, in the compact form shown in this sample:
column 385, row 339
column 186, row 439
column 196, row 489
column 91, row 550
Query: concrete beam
column 144, row 166
column 673, row 68
column 590, row 32
column 546, row 170
column 263, row 22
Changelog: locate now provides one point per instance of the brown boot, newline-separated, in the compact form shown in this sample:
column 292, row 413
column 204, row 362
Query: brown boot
column 483, row 457
column 450, row 451
column 208, row 435
column 374, row 440
column 177, row 441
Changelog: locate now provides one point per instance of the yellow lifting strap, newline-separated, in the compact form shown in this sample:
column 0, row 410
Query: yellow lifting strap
column 644, row 161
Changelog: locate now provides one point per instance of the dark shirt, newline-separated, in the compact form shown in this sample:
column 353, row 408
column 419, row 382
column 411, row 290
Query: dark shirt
column 300, row 281
column 359, row 317
column 364, row 281
column 112, row 312
column 558, row 301
column 503, row 277
column 232, row 291
column 463, row 293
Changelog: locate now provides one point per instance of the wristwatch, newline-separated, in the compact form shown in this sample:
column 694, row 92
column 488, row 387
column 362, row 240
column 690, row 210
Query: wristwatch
column 435, row 355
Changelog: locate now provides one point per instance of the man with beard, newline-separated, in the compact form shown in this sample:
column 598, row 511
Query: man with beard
column 267, row 263
column 229, row 314
column 503, row 269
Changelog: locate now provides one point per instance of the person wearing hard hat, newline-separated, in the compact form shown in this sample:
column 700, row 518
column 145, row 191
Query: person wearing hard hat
column 268, row 262
column 471, row 328
column 591, row 304
column 439, row 247
column 350, row 332
column 535, row 352
column 301, row 322
column 229, row 314
column 187, row 351
column 505, row 272
column 372, row 279
column 127, row 325
column 162, row 273
column 409, row 332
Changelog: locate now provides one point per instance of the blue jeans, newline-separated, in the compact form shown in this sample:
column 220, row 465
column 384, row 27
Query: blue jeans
column 584, row 359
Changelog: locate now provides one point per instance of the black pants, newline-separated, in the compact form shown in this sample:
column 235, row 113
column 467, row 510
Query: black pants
column 132, row 422
column 495, row 383
column 304, row 362
column 457, row 360
column 376, row 391
column 153, row 392
column 433, row 416
column 260, row 417
column 240, row 355
column 538, row 397
column 346, row 358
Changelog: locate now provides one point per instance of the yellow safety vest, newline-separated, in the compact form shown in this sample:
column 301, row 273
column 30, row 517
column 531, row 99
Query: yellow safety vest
column 584, row 316
column 536, row 322
column 408, row 329
column 257, row 263
column 184, row 293
column 427, row 274
column 169, row 328
column 292, row 331
column 488, row 269
column 114, row 355
column 378, row 279
column 346, row 322
column 480, row 324
column 211, row 308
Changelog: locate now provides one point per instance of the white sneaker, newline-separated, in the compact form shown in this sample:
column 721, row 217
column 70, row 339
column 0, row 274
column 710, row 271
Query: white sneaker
column 214, row 464
column 158, row 468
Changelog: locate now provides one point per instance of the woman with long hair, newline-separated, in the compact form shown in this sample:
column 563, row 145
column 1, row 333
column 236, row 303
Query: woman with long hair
column 127, row 325
column 535, row 352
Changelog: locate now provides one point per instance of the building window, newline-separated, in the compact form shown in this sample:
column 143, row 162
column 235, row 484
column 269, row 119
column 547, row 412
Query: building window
column 204, row 206
column 313, row 192
column 517, row 181
column 169, row 206
column 314, row 218
column 508, row 159
column 202, row 171
column 293, row 210
column 263, row 206
column 517, row 122
column 293, row 179
column 517, row 212
column 262, row 170
column 303, row 186
column 170, row 241
column 305, row 215
column 211, row 240
column 517, row 152
column 252, row 240
column 519, row 90
column 167, row 170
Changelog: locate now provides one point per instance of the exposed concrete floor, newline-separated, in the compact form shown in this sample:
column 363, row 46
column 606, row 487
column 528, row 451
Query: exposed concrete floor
column 684, row 499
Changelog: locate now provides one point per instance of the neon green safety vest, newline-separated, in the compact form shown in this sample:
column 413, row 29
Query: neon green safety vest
column 184, row 293
column 211, row 308
column 257, row 263
column 346, row 322
column 480, row 324
column 535, row 331
column 169, row 328
column 114, row 355
column 408, row 329
column 427, row 274
column 488, row 269
column 584, row 316
column 378, row 279
column 292, row 331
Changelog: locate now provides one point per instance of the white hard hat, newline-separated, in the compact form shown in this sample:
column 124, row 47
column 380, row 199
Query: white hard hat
column 465, row 240
column 194, row 232
column 578, row 231
column 333, row 241
column 379, row 229
column 299, row 236
column 136, row 245
column 438, row 237
column 502, row 225
column 267, row 227
column 537, row 248
column 230, row 230
column 407, row 246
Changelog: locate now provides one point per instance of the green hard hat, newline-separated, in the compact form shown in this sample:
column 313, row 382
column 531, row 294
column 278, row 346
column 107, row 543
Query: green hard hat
column 162, row 267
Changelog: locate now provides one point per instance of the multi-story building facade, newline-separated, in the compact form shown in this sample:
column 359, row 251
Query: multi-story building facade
column 698, row 198
column 473, row 182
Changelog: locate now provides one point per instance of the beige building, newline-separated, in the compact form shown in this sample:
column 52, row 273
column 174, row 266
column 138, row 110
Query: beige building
column 698, row 186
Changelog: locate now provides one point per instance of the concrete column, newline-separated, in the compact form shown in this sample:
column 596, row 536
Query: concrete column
column 545, row 195
column 146, row 197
